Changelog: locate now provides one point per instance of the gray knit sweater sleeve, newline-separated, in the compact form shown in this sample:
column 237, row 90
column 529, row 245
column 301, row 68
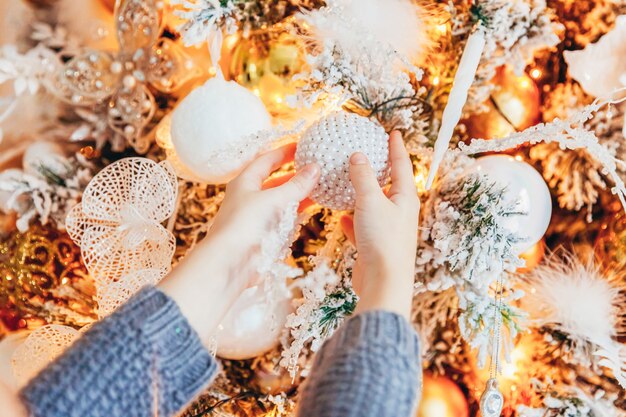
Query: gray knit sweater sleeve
column 141, row 361
column 146, row 360
column 370, row 368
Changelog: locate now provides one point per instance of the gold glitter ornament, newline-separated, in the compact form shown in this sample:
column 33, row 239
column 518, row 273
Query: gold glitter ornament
column 40, row 266
column 266, row 67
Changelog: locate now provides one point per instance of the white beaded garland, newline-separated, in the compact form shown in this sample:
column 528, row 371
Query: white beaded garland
column 330, row 142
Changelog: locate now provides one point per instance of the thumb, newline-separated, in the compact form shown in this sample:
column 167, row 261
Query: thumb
column 300, row 186
column 363, row 176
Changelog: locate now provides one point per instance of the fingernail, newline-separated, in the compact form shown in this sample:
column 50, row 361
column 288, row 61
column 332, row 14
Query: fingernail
column 310, row 171
column 358, row 159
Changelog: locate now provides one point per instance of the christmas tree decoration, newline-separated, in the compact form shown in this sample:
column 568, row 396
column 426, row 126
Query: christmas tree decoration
column 41, row 347
column 575, row 301
column 253, row 325
column 329, row 143
column 111, row 296
column 47, row 187
column 208, row 141
column 600, row 68
column 514, row 105
column 267, row 70
column 524, row 187
column 441, row 397
column 463, row 80
column 43, row 276
column 120, row 84
column 118, row 223
column 491, row 400
column 118, row 74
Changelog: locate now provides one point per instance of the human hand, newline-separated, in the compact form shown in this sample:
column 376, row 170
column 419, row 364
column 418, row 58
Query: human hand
column 209, row 280
column 384, row 231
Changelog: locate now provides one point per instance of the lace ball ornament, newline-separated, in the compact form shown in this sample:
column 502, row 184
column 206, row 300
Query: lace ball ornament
column 41, row 347
column 330, row 142
column 112, row 296
column 253, row 325
column 215, row 131
column 118, row 223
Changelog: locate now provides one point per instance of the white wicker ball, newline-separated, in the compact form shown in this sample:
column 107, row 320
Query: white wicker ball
column 330, row 142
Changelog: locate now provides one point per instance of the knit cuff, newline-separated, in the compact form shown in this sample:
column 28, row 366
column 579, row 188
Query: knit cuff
column 183, row 364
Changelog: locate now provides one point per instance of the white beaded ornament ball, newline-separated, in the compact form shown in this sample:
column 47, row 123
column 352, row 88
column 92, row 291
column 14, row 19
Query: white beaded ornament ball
column 330, row 142
column 213, row 129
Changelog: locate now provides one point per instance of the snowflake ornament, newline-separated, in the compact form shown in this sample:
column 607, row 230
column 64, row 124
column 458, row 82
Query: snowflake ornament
column 118, row 224
column 329, row 143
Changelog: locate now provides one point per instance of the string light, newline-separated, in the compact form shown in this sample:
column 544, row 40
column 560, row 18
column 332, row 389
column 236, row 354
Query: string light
column 535, row 73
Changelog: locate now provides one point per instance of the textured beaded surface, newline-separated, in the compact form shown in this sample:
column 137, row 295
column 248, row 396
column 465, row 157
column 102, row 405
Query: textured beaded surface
column 330, row 142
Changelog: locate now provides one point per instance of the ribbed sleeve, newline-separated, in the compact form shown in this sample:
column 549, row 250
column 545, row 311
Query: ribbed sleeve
column 142, row 357
column 370, row 368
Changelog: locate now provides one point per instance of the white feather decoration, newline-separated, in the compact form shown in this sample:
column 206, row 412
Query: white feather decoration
column 574, row 298
column 349, row 23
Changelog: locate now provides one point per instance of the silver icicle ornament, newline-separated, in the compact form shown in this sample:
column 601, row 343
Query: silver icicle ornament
column 492, row 400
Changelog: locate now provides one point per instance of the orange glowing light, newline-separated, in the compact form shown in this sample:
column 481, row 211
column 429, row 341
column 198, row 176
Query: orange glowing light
column 535, row 73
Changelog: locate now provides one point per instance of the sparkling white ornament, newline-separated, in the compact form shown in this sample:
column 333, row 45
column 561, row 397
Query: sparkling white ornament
column 254, row 324
column 330, row 142
column 215, row 131
column 525, row 186
column 118, row 223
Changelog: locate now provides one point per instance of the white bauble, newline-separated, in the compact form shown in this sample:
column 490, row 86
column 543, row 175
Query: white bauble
column 330, row 142
column 213, row 128
column 525, row 185
column 253, row 325
column 44, row 154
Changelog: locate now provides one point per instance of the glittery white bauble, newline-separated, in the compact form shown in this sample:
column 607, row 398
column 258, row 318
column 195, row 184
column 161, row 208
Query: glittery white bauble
column 523, row 184
column 253, row 324
column 213, row 129
column 330, row 142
